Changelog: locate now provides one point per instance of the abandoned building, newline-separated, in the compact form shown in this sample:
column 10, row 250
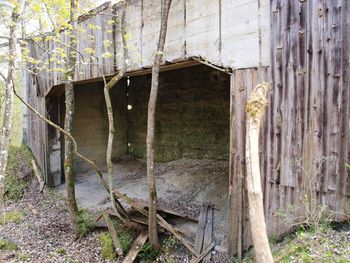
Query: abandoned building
column 216, row 52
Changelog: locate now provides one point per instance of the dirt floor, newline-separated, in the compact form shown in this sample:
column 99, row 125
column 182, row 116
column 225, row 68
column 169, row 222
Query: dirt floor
column 182, row 185
column 43, row 232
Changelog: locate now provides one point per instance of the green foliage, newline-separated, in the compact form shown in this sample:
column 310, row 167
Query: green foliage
column 148, row 253
column 107, row 246
column 126, row 238
column 18, row 165
column 11, row 217
column 61, row 251
column 84, row 223
column 171, row 242
column 7, row 245
column 347, row 166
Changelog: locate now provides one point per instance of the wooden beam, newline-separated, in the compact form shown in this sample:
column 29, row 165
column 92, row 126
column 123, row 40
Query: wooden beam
column 208, row 233
column 58, row 90
column 136, row 247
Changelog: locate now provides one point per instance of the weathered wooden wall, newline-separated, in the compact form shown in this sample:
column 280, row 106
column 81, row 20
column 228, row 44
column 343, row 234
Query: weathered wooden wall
column 307, row 132
column 305, row 140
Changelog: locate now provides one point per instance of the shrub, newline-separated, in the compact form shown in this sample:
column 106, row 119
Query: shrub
column 107, row 248
column 84, row 223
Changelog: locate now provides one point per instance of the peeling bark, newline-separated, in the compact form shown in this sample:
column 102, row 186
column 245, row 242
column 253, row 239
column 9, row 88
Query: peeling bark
column 255, row 112
column 151, row 181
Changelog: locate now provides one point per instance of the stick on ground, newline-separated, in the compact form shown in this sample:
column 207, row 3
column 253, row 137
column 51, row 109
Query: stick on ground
column 113, row 232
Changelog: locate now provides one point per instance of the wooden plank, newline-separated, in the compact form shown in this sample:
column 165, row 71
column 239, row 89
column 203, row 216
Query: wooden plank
column 208, row 233
column 136, row 247
column 166, row 210
column 198, row 244
column 113, row 232
column 204, row 253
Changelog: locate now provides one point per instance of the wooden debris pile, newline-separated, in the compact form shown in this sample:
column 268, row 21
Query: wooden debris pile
column 139, row 220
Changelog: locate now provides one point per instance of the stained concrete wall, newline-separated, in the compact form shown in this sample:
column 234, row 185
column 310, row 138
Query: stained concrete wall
column 192, row 115
column 90, row 125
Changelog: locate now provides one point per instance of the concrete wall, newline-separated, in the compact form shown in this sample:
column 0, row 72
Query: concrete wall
column 192, row 115
column 90, row 125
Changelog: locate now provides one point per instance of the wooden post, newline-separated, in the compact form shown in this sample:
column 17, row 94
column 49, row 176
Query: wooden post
column 236, row 167
column 255, row 112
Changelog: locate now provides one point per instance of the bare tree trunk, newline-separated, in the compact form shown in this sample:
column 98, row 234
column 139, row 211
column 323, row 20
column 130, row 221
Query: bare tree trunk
column 255, row 113
column 111, row 130
column 69, row 115
column 151, row 181
column 8, row 111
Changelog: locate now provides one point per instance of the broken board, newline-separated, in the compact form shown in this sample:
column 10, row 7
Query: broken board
column 204, row 234
column 136, row 247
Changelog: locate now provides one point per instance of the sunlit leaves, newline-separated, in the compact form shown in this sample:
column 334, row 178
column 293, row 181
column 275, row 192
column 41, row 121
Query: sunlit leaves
column 89, row 51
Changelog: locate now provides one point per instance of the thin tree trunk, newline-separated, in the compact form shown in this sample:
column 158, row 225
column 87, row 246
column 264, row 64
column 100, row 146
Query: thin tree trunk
column 255, row 113
column 151, row 181
column 69, row 115
column 111, row 125
column 8, row 111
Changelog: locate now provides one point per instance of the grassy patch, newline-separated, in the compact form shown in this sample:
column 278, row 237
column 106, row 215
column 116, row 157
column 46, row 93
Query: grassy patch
column 12, row 216
column 7, row 245
column 17, row 172
column 24, row 257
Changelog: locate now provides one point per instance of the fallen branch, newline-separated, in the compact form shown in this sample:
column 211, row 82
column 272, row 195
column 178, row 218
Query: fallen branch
column 113, row 232
column 37, row 175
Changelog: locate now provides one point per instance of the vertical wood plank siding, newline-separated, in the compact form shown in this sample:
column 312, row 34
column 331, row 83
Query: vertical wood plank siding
column 306, row 132
column 305, row 138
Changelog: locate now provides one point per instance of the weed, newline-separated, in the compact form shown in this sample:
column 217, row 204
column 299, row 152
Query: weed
column 148, row 253
column 107, row 246
column 12, row 216
column 171, row 242
column 7, row 245
column 24, row 257
column 126, row 238
column 61, row 251
column 84, row 223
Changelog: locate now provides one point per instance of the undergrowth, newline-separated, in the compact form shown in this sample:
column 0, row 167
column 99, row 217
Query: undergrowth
column 107, row 248
column 17, row 172
column 85, row 223
column 11, row 217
